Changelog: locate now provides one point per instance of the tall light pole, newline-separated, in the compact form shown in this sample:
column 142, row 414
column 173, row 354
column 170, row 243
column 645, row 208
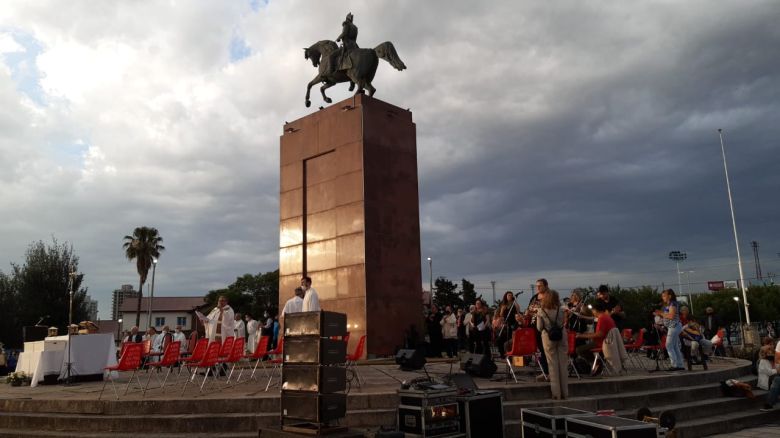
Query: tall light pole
column 734, row 226
column 678, row 256
column 430, row 270
column 493, row 283
column 690, row 291
column 151, row 296
column 741, row 327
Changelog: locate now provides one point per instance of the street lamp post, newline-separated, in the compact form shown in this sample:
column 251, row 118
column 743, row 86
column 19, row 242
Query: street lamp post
column 741, row 328
column 690, row 291
column 119, row 329
column 430, row 270
column 151, row 296
column 734, row 227
column 678, row 256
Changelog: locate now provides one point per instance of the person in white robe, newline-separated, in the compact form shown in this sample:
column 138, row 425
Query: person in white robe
column 311, row 300
column 219, row 322
column 253, row 337
column 179, row 336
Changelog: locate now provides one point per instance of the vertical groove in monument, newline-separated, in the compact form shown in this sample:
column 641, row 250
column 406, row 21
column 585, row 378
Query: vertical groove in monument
column 304, row 228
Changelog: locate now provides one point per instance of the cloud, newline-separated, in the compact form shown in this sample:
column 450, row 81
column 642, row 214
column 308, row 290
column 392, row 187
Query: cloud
column 577, row 141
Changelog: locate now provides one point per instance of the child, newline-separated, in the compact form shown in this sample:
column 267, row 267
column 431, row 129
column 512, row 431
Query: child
column 766, row 367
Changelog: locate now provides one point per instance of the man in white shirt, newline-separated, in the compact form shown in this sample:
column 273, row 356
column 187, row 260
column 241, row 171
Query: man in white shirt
column 219, row 322
column 311, row 301
column 178, row 336
column 253, row 336
column 293, row 305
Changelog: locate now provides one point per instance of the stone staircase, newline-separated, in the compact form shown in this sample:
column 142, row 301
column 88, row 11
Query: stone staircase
column 694, row 398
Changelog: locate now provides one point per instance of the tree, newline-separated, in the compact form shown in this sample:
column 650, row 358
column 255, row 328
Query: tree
column 143, row 246
column 40, row 288
column 250, row 293
column 469, row 294
column 446, row 293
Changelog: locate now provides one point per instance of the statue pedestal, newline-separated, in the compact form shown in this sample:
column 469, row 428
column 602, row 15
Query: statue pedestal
column 349, row 217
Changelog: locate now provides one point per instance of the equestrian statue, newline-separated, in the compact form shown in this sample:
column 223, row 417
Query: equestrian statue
column 348, row 63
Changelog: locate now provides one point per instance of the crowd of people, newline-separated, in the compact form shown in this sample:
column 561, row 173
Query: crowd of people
column 481, row 329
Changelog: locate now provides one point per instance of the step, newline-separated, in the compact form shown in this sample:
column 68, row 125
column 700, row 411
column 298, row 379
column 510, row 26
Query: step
column 711, row 407
column 726, row 423
column 165, row 423
column 13, row 433
column 626, row 401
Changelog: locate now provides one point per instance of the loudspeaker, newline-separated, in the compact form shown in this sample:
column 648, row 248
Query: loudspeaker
column 410, row 360
column 314, row 378
column 322, row 324
column 317, row 408
column 480, row 365
column 31, row 333
column 314, row 350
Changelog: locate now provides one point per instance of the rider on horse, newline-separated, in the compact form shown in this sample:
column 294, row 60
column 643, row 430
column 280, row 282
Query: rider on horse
column 348, row 39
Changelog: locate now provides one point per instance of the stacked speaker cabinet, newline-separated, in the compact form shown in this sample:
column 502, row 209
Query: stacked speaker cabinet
column 313, row 372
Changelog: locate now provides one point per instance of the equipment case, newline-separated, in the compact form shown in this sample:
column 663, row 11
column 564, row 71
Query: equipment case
column 609, row 427
column 548, row 422
column 482, row 414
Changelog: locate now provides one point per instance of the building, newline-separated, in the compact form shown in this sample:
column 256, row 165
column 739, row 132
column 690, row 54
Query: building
column 119, row 296
column 170, row 311
column 92, row 308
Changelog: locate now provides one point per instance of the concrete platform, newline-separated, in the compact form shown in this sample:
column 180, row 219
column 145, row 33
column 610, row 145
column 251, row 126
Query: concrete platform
column 242, row 409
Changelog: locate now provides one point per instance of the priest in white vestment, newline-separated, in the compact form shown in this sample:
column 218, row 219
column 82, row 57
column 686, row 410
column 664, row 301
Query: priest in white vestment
column 311, row 301
column 219, row 322
column 252, row 331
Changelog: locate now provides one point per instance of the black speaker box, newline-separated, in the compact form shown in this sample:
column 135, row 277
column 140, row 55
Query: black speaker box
column 480, row 365
column 482, row 414
column 410, row 360
column 314, row 350
column 31, row 333
column 314, row 378
column 322, row 324
column 313, row 407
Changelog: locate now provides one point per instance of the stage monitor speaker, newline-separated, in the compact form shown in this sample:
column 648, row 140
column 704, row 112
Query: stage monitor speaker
column 314, row 378
column 410, row 360
column 313, row 407
column 322, row 324
column 314, row 350
column 32, row 333
column 480, row 365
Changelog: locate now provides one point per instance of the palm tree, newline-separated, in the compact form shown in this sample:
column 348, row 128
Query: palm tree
column 144, row 246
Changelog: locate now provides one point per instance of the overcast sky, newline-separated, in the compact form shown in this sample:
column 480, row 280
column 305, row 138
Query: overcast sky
column 571, row 140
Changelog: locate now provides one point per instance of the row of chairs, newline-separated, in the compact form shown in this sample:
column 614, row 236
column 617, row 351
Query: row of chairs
column 205, row 357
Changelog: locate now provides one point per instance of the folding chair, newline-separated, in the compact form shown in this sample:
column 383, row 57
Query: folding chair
column 597, row 353
column 523, row 344
column 276, row 362
column 129, row 361
column 192, row 342
column 572, row 352
column 208, row 362
column 260, row 352
column 236, row 354
column 626, row 334
column 634, row 350
column 169, row 359
column 356, row 356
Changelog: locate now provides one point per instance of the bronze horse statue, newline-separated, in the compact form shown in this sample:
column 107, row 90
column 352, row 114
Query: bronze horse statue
column 359, row 67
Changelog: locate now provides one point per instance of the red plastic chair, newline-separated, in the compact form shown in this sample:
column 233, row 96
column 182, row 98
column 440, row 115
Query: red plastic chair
column 634, row 349
column 260, row 352
column 276, row 362
column 572, row 352
column 198, row 351
column 356, row 356
column 169, row 359
column 193, row 340
column 523, row 344
column 236, row 354
column 129, row 361
column 626, row 335
column 209, row 361
column 227, row 347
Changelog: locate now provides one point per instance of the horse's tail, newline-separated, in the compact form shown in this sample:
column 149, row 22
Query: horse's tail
column 387, row 52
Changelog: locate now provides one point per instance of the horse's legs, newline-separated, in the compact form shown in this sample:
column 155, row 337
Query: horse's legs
column 312, row 83
column 351, row 85
column 325, row 87
column 370, row 88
